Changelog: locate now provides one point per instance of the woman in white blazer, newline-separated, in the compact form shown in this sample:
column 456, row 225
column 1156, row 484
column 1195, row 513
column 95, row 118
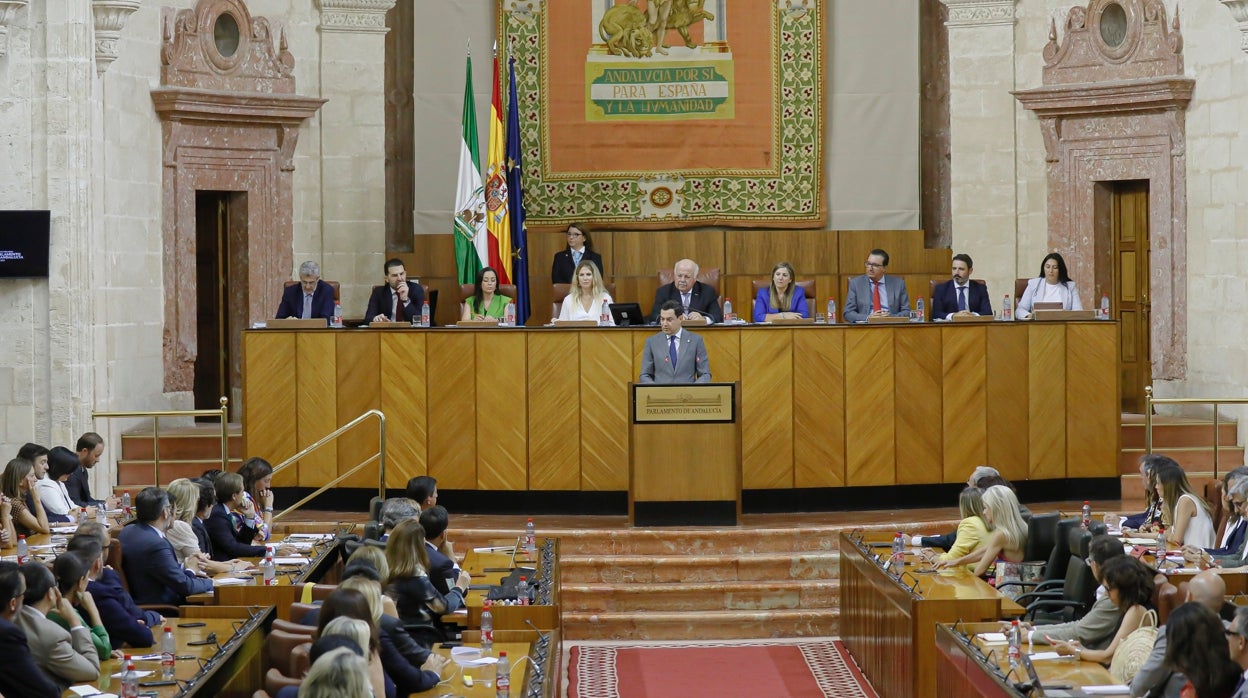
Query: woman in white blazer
column 1053, row 285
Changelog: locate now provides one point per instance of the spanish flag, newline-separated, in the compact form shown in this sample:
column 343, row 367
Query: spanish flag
column 496, row 208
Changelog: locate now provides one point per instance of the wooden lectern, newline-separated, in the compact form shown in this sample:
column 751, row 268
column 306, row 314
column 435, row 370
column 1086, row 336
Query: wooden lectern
column 685, row 441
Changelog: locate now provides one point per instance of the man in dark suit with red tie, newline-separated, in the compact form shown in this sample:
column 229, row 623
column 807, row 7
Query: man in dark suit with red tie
column 958, row 296
column 398, row 300
column 311, row 298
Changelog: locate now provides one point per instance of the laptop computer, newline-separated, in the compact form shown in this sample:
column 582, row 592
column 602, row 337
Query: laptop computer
column 1037, row 688
column 627, row 314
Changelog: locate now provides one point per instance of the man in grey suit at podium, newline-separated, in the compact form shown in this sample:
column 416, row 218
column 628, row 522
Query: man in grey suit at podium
column 674, row 355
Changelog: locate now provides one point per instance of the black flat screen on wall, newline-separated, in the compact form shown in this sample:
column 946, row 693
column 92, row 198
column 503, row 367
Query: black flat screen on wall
column 25, row 239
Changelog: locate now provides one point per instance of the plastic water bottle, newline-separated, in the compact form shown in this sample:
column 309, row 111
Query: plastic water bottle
column 424, row 314
column 1007, row 310
column 129, row 680
column 1162, row 542
column 831, row 311
column 1104, row 306
column 487, row 628
column 337, row 315
column 509, row 315
column 604, row 319
column 23, row 551
column 918, row 310
column 1016, row 644
column 522, row 591
column 125, row 503
column 168, row 649
column 82, row 516
column 267, row 567
column 1087, row 515
column 728, row 309
column 530, row 537
column 101, row 516
column 502, row 677
column 898, row 560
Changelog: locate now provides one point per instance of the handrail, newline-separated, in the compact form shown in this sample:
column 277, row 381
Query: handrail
column 379, row 456
column 222, row 412
column 1149, row 401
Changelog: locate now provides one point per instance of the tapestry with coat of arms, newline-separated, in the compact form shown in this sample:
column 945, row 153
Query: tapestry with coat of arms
column 670, row 113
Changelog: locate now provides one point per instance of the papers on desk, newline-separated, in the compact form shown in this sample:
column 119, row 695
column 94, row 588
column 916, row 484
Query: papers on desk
column 229, row 581
column 154, row 657
column 65, row 529
column 310, row 536
column 1106, row 690
column 495, row 549
column 992, row 638
column 290, row 560
column 301, row 545
column 1042, row 656
column 45, row 546
column 140, row 674
column 1140, row 541
column 471, row 657
column 92, row 691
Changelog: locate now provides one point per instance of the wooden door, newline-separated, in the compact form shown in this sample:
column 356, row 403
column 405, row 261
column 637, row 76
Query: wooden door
column 1129, row 297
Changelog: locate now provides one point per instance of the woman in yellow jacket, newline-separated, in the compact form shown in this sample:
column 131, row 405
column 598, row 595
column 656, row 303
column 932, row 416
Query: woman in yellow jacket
column 972, row 530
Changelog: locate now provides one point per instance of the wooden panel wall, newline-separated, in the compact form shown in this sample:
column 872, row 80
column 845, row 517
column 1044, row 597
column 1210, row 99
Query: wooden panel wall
column 820, row 406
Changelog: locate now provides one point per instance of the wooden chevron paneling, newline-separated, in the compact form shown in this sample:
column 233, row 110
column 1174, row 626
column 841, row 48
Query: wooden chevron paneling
column 870, row 447
column 316, row 394
column 554, row 417
column 723, row 350
column 359, row 390
column 767, row 407
column 818, row 407
column 965, row 400
column 644, row 253
column 1047, row 399
column 755, row 252
column 1008, row 399
column 270, row 413
column 604, row 408
column 918, row 367
column 1093, row 402
column 502, row 411
column 450, row 358
column 404, row 400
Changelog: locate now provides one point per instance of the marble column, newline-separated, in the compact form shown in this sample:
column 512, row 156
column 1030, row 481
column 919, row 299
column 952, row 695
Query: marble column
column 983, row 199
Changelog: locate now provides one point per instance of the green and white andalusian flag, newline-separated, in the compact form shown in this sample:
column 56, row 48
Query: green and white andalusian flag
column 471, row 236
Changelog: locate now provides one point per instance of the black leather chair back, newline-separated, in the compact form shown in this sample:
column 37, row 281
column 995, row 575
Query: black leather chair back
column 1059, row 557
column 1041, row 537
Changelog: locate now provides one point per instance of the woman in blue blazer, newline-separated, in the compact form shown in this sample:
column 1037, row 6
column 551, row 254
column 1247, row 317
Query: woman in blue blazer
column 784, row 299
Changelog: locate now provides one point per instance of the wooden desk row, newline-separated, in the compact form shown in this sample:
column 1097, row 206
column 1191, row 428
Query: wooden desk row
column 547, row 409
column 966, row 667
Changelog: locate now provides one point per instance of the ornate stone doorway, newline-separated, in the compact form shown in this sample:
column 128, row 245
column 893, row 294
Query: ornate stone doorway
column 1112, row 109
column 230, row 120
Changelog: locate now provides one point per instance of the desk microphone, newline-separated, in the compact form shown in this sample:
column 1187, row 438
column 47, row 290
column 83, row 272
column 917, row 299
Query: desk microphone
column 544, row 636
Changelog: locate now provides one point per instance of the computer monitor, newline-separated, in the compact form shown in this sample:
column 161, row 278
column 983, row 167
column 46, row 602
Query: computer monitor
column 627, row 314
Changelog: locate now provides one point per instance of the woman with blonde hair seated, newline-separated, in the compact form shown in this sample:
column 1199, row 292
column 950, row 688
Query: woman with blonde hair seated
column 338, row 674
column 411, row 667
column 184, row 498
column 784, row 299
column 972, row 529
column 1007, row 539
column 485, row 302
column 588, row 296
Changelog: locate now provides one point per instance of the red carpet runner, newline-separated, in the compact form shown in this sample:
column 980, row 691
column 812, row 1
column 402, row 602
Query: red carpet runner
column 797, row 668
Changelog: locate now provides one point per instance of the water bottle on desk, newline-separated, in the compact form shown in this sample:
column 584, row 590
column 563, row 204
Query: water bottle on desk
column 1016, row 644
column 1162, row 544
column 898, row 560
column 604, row 320
column 268, row 567
column 1104, row 314
column 502, row 677
column 1007, row 310
column 125, row 503
column 918, row 310
column 82, row 516
column 727, row 309
column 522, row 591
column 487, row 628
column 23, row 551
column 831, row 311
column 337, row 315
column 509, row 315
column 1087, row 515
column 129, row 679
column 424, row 314
column 530, row 538
column 168, row 649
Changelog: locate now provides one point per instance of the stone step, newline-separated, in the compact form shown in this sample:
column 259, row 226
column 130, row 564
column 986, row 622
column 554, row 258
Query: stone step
column 709, row 596
column 643, row 569
column 1180, row 434
column 705, row 625
column 137, row 474
column 182, row 443
column 1192, row 458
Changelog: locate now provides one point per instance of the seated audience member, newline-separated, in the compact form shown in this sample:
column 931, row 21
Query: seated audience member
column 125, row 622
column 8, row 537
column 1152, row 513
column 1096, row 628
column 588, row 298
column 945, row 541
column 784, row 299
column 350, row 615
column 699, row 302
column 402, row 658
column 147, row 558
column 1233, row 533
column 1187, row 512
column 1129, row 584
column 67, row 655
column 395, row 510
column 17, row 482
column 38, row 457
column 874, row 294
column 1197, row 649
column 337, row 674
column 1008, row 534
column 52, row 490
column 418, row 602
column 443, row 571
column 320, row 648
column 203, row 509
column 987, row 481
column 1052, row 286
column 257, row 474
column 486, row 302
column 71, row 571
column 184, row 496
column 19, row 674
column 1233, row 558
column 310, row 298
column 89, row 448
column 958, row 296
column 1238, row 643
column 972, row 531
column 231, row 534
column 423, row 490
column 580, row 246
column 397, row 300
column 372, row 557
column 1154, row 678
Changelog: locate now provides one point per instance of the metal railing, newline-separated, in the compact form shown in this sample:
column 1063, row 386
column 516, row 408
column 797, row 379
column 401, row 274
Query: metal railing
column 379, row 456
column 223, row 413
column 1149, row 401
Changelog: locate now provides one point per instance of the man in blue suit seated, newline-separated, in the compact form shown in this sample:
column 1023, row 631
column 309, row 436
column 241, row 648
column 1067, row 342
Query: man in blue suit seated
column 443, row 572
column 674, row 355
column 311, row 298
column 147, row 558
column 958, row 296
